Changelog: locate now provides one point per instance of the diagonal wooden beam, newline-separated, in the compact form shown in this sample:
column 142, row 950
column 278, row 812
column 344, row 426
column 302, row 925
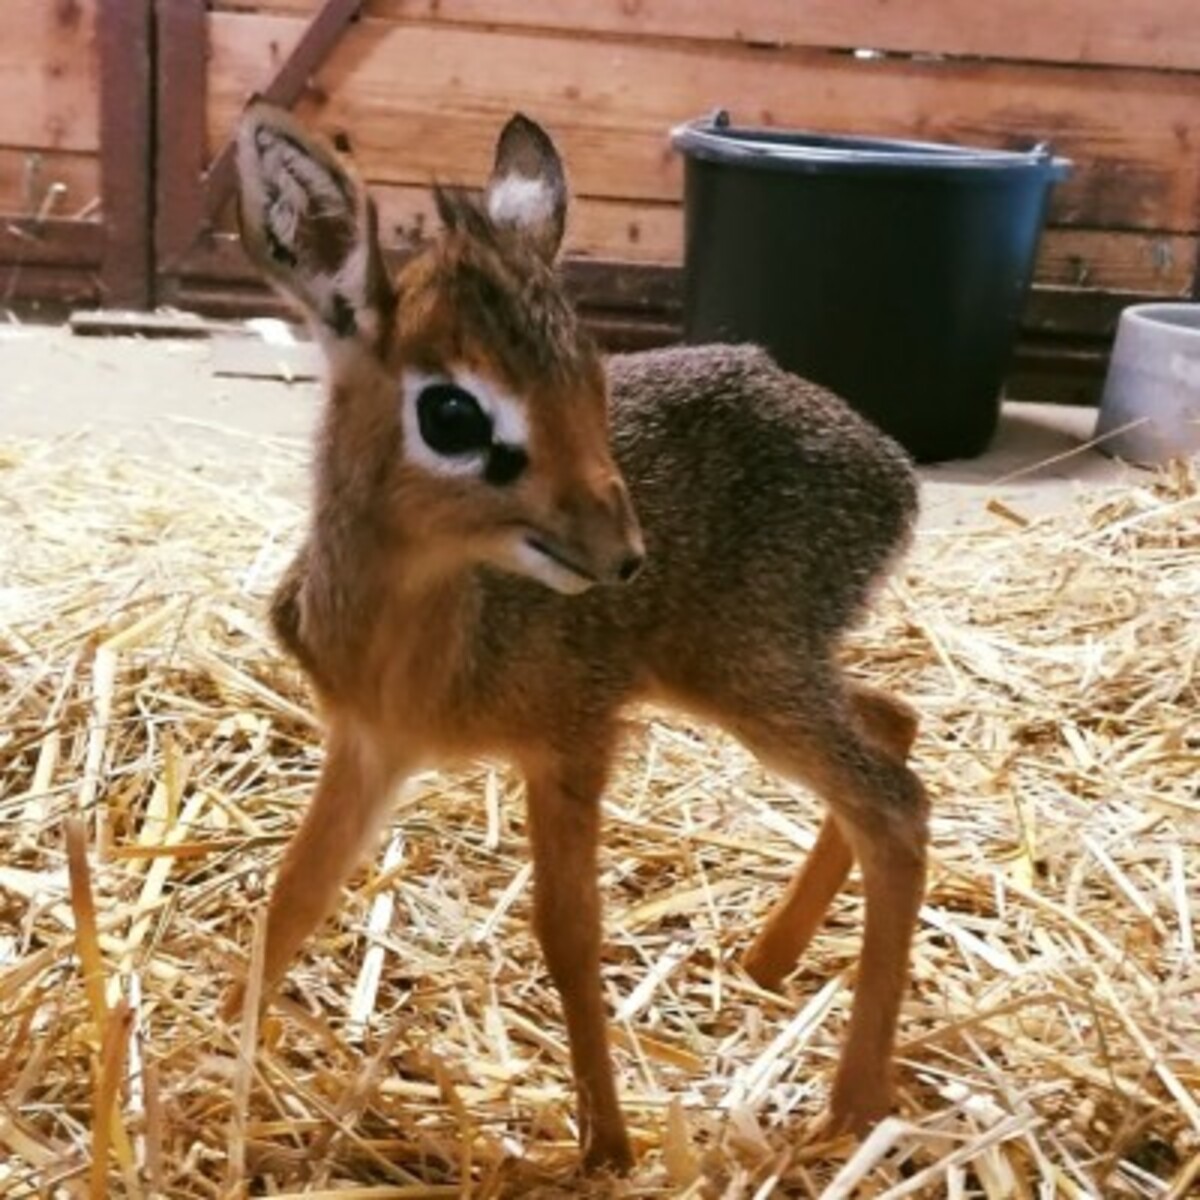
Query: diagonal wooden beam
column 284, row 89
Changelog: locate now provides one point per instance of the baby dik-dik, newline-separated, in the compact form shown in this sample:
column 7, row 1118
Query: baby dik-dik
column 512, row 540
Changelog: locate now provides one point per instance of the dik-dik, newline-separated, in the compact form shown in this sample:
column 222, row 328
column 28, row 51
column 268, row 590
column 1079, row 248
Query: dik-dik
column 513, row 540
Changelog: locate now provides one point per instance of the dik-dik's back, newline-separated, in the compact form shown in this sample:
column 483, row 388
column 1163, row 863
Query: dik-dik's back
column 763, row 498
column 511, row 540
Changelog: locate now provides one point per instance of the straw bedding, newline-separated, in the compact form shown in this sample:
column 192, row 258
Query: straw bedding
column 155, row 752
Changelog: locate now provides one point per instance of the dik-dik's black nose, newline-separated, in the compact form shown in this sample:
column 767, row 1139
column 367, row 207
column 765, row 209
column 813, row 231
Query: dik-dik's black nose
column 631, row 567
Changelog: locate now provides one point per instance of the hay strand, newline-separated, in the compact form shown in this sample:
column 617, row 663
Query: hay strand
column 1050, row 1039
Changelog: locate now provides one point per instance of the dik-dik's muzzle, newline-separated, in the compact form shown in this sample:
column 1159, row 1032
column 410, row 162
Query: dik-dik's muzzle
column 610, row 535
column 595, row 536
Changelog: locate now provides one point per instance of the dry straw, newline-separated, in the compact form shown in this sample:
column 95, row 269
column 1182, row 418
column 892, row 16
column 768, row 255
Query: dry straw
column 155, row 752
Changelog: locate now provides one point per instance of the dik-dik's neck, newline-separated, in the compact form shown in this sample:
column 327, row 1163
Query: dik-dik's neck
column 379, row 613
column 383, row 640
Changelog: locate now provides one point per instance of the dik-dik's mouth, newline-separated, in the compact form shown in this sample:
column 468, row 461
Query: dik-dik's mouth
column 556, row 556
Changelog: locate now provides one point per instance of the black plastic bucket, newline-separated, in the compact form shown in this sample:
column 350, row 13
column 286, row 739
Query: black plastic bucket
column 892, row 272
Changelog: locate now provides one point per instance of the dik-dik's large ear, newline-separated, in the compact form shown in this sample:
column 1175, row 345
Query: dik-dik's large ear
column 310, row 225
column 528, row 188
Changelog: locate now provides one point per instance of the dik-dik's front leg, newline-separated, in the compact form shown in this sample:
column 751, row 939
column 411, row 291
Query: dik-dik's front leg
column 564, row 828
column 342, row 821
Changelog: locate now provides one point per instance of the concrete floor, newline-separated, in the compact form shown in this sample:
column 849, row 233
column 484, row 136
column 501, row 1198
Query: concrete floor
column 148, row 394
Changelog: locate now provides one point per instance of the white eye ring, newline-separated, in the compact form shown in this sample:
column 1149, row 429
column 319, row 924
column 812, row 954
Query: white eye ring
column 506, row 413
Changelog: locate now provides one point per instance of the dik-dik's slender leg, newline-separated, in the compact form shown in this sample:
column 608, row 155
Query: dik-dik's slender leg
column 564, row 828
column 795, row 919
column 344, row 816
column 889, row 725
column 880, row 810
column 889, row 844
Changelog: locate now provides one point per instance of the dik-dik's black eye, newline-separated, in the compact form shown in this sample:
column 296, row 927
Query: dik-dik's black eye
column 451, row 420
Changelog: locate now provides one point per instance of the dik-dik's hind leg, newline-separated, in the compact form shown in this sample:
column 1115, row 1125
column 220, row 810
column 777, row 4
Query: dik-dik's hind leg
column 564, row 828
column 889, row 725
column 344, row 816
column 795, row 919
column 880, row 810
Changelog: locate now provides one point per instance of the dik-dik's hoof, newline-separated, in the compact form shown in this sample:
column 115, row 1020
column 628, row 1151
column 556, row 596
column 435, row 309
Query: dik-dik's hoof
column 611, row 1154
column 854, row 1111
column 764, row 969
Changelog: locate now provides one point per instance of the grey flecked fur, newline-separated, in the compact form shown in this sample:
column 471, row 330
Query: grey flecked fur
column 759, row 494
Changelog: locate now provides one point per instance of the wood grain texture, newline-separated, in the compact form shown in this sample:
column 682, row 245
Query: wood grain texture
column 1118, row 261
column 48, row 287
column 312, row 48
column 420, row 101
column 127, row 153
column 635, row 231
column 26, row 177
column 644, row 232
column 181, row 65
column 655, row 291
column 54, row 242
column 49, row 75
column 1150, row 33
column 1041, row 370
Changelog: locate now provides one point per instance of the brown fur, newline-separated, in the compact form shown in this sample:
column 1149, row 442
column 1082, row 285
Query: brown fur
column 769, row 512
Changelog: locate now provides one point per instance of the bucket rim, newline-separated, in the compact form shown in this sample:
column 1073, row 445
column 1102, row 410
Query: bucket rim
column 715, row 139
column 1182, row 316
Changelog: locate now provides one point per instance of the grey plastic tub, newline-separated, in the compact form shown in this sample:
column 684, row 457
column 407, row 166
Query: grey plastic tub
column 1150, row 410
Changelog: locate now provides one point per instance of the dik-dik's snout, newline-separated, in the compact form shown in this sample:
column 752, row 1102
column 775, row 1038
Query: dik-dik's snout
column 613, row 536
column 591, row 536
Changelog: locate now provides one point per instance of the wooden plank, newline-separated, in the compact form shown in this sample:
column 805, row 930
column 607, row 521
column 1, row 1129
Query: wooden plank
column 1060, row 356
column 1118, row 261
column 1150, row 33
column 26, row 177
column 310, row 51
column 41, row 286
column 630, row 230
column 112, row 322
column 182, row 153
column 127, row 151
column 53, row 242
column 421, row 102
column 1077, row 312
column 656, row 290
column 625, row 335
column 637, row 231
column 650, row 232
column 49, row 77
column 220, row 261
column 1102, row 259
column 1058, row 370
column 219, row 300
column 614, row 332
column 640, row 231
column 1044, row 368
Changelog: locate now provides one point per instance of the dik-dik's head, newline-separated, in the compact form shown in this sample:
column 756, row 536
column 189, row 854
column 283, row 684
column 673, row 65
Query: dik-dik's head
column 467, row 381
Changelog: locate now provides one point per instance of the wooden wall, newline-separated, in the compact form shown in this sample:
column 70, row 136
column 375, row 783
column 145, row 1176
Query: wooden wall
column 76, row 153
column 421, row 87
column 49, row 105
column 49, row 135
